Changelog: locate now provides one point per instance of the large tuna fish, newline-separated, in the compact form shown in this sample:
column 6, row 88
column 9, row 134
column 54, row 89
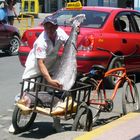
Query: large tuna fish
column 66, row 69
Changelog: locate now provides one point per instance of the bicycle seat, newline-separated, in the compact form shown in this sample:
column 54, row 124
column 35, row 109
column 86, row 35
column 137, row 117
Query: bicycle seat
column 97, row 71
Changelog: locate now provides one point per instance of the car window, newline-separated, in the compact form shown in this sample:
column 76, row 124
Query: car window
column 136, row 21
column 94, row 19
column 123, row 23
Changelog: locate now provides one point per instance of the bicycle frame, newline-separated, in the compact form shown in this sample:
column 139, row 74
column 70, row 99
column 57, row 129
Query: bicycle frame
column 121, row 78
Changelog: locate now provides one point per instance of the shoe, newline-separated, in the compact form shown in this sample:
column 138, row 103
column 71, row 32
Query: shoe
column 60, row 108
column 11, row 129
column 57, row 126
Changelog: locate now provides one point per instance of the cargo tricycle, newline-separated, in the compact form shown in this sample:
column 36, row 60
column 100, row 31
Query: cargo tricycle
column 47, row 100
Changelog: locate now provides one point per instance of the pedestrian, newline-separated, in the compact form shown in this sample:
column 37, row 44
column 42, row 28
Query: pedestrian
column 44, row 54
column 3, row 15
column 3, row 12
column 11, row 13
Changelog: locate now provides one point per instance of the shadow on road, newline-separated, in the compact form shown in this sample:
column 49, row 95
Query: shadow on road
column 136, row 138
column 3, row 54
column 100, row 122
column 41, row 130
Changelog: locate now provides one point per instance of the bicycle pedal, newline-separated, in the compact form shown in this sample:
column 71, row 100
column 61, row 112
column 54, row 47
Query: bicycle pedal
column 102, row 109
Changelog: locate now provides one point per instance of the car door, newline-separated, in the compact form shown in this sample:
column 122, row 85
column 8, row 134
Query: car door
column 4, row 39
column 129, row 39
column 136, row 24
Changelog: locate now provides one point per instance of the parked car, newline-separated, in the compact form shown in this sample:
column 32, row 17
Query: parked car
column 115, row 29
column 9, row 39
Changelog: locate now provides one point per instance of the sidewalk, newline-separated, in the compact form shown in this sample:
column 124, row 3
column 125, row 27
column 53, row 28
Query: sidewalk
column 124, row 128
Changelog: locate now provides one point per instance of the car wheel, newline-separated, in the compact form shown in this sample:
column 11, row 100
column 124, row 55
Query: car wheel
column 14, row 46
column 115, row 63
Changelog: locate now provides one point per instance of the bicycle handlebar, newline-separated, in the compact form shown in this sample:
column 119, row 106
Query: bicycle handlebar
column 116, row 57
column 132, row 53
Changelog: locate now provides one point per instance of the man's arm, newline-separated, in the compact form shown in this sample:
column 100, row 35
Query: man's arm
column 46, row 74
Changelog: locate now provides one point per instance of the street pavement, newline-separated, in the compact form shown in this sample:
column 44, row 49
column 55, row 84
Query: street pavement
column 124, row 128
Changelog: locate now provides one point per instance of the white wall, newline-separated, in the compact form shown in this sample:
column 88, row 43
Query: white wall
column 137, row 4
column 17, row 8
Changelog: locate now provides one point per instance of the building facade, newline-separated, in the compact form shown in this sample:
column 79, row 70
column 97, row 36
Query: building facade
column 53, row 5
column 137, row 4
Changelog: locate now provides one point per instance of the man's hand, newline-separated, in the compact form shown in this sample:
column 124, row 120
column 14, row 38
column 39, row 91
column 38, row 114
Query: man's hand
column 46, row 75
column 55, row 83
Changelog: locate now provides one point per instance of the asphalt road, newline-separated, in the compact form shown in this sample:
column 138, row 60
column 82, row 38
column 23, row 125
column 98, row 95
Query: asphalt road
column 10, row 76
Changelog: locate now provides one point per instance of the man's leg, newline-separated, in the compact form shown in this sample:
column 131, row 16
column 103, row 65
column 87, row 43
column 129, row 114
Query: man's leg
column 56, row 124
column 11, row 129
column 17, row 97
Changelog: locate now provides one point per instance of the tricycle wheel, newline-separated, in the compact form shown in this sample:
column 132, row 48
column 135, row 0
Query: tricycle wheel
column 22, row 120
column 83, row 120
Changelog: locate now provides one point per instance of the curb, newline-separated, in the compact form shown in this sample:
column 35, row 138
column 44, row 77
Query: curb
column 101, row 132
